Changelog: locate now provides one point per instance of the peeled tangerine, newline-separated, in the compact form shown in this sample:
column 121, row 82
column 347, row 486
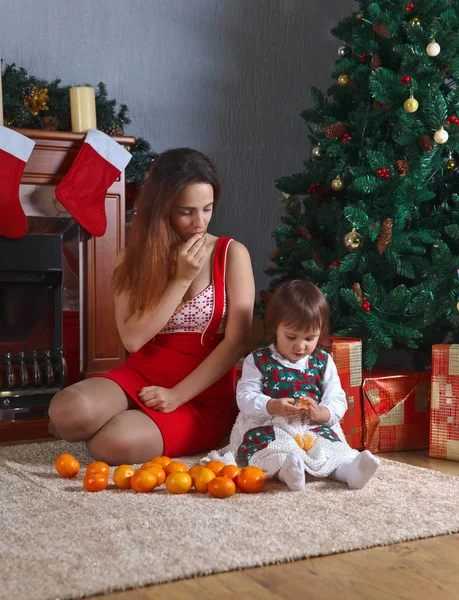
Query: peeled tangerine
column 305, row 441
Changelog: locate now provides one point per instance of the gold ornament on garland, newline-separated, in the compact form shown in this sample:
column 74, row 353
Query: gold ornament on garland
column 385, row 236
column 411, row 105
column 353, row 240
column 359, row 16
column 450, row 164
column 316, row 152
column 344, row 80
column 416, row 21
column 36, row 100
column 292, row 205
column 337, row 184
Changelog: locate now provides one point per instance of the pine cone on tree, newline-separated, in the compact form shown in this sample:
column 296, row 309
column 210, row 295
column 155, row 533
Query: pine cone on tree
column 375, row 62
column 426, row 143
column 381, row 105
column 49, row 124
column 401, row 167
column 303, row 232
column 336, row 130
column 385, row 236
column 357, row 291
column 381, row 30
column 113, row 130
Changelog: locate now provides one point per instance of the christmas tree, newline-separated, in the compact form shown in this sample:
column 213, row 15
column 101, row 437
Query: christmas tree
column 373, row 219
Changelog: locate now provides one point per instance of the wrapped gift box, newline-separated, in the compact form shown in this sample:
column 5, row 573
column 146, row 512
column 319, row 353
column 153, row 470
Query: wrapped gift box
column 347, row 354
column 396, row 411
column 444, row 412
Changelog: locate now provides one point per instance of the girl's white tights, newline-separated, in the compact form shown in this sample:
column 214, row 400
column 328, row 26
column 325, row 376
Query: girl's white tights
column 357, row 472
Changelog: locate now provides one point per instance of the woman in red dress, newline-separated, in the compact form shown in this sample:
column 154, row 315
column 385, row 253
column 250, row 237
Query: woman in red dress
column 183, row 304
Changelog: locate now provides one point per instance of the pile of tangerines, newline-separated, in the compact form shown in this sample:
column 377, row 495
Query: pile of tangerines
column 216, row 478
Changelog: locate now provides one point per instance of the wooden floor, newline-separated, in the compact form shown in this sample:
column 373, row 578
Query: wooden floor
column 424, row 569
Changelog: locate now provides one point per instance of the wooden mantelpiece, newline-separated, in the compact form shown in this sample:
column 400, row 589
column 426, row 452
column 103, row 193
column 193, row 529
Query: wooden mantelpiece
column 51, row 159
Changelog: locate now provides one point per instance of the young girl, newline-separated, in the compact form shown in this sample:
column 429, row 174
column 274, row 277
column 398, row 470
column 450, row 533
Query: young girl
column 291, row 399
column 183, row 306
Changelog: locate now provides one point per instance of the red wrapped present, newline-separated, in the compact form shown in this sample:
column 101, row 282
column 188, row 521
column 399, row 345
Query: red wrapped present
column 444, row 410
column 347, row 354
column 396, row 411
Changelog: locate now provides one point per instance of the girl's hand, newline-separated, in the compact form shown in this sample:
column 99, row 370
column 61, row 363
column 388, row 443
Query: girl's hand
column 317, row 413
column 191, row 257
column 284, row 407
column 158, row 398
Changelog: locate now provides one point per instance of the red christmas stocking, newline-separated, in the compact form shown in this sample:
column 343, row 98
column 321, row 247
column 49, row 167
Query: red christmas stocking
column 83, row 189
column 15, row 150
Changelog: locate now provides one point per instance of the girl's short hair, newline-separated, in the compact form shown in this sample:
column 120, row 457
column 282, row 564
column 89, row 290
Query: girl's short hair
column 299, row 304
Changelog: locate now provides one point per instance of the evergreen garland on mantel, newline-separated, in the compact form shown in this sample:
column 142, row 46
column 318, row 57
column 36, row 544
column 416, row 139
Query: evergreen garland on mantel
column 33, row 103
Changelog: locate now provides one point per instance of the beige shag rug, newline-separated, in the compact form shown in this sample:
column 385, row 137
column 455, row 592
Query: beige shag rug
column 58, row 541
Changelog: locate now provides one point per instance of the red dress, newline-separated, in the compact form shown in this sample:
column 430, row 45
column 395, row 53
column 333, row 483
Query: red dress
column 201, row 423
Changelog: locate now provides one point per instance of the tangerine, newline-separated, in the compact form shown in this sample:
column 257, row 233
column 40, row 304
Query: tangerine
column 161, row 460
column 192, row 471
column 98, row 467
column 67, row 466
column 95, row 482
column 156, row 470
column 178, row 482
column 251, row 480
column 215, row 465
column 175, row 466
column 122, row 476
column 231, row 471
column 221, row 487
column 143, row 481
column 202, row 478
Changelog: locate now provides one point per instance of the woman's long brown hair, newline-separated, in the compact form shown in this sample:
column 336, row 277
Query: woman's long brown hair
column 152, row 243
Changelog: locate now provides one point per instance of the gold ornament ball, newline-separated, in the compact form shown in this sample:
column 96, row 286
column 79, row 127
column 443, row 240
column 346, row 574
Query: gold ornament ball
column 353, row 240
column 433, row 49
column 337, row 184
column 441, row 136
column 359, row 16
column 411, row 105
column 457, row 306
column 416, row 21
column 344, row 79
column 450, row 164
column 316, row 152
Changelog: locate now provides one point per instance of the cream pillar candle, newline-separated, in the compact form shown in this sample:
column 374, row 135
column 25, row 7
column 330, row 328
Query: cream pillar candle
column 1, row 95
column 83, row 108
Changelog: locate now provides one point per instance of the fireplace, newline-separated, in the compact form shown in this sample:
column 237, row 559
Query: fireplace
column 33, row 363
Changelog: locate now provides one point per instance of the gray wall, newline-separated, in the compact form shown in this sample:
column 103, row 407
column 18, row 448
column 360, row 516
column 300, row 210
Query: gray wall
column 228, row 77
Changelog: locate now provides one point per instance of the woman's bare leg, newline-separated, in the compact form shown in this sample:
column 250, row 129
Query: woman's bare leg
column 80, row 410
column 129, row 437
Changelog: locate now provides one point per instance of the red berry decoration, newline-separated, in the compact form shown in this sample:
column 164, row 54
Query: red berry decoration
column 404, row 79
column 345, row 137
column 384, row 173
column 335, row 263
column 313, row 187
column 409, row 6
column 363, row 57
